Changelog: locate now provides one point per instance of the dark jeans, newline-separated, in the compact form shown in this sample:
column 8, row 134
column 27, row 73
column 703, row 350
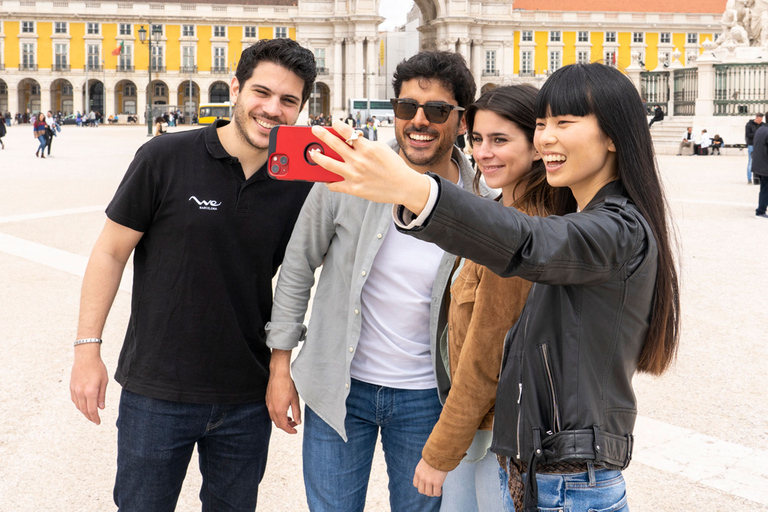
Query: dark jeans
column 762, row 202
column 155, row 441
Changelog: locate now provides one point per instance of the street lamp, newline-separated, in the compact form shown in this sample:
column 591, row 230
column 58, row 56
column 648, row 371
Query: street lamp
column 156, row 33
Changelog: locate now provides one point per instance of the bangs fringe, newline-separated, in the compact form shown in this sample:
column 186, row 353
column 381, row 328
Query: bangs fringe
column 566, row 92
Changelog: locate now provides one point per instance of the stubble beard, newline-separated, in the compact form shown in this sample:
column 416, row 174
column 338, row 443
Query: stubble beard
column 425, row 160
column 241, row 118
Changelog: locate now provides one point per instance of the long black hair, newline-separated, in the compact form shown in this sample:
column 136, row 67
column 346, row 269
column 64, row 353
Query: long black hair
column 515, row 103
column 603, row 91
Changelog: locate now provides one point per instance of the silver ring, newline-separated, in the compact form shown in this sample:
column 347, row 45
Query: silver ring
column 352, row 138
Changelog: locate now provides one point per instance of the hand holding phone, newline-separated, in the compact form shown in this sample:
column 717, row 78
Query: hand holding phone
column 290, row 157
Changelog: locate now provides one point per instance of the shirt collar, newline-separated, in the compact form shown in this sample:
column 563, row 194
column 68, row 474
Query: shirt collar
column 212, row 142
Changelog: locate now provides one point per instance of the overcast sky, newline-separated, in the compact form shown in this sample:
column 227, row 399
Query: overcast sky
column 395, row 11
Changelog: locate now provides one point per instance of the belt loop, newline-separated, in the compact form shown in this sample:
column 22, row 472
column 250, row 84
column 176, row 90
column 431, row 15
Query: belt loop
column 591, row 471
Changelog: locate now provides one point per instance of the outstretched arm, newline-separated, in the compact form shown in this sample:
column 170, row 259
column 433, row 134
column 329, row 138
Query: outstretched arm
column 88, row 383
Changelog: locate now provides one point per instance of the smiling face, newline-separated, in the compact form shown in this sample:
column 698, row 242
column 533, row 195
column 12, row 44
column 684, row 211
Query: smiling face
column 424, row 144
column 576, row 153
column 502, row 152
column 271, row 96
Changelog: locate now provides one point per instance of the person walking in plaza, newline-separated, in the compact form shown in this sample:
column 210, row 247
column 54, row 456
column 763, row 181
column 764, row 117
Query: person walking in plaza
column 760, row 168
column 371, row 362
column 3, row 131
column 159, row 130
column 39, row 133
column 209, row 228
column 749, row 135
column 686, row 142
column 50, row 131
column 605, row 299
column 484, row 306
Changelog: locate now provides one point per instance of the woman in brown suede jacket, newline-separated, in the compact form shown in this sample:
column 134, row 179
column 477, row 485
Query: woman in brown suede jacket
column 484, row 307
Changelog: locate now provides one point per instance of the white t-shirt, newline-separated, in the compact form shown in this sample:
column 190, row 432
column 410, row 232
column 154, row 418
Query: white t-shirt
column 394, row 345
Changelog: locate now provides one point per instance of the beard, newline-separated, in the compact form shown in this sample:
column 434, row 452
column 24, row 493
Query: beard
column 241, row 119
column 422, row 157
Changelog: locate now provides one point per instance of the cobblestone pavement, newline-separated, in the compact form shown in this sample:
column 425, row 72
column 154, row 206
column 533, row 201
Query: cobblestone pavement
column 702, row 434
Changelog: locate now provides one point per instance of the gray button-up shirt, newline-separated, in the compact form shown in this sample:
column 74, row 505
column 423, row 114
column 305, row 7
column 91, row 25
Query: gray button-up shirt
column 343, row 234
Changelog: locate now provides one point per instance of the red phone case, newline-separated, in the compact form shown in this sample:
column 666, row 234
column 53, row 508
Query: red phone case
column 289, row 158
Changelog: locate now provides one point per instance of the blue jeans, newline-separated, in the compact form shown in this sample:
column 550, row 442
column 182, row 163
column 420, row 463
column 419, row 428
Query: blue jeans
column 155, row 441
column 43, row 141
column 749, row 163
column 336, row 473
column 474, row 486
column 575, row 493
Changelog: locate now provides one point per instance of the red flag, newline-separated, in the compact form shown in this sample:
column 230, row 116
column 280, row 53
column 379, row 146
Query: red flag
column 117, row 51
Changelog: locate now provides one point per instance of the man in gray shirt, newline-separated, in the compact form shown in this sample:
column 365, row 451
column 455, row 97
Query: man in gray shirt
column 371, row 361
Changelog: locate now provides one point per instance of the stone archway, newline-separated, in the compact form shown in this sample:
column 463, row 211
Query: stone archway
column 319, row 101
column 188, row 99
column 126, row 97
column 95, row 96
column 62, row 98
column 28, row 96
column 218, row 92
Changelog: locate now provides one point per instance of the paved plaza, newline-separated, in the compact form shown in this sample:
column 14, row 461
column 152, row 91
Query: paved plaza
column 701, row 438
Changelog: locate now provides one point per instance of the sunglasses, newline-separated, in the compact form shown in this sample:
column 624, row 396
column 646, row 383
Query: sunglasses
column 434, row 111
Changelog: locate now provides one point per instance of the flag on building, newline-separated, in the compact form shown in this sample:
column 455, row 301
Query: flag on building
column 117, row 51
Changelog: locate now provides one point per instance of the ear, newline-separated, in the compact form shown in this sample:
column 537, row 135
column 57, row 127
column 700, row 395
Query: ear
column 536, row 156
column 611, row 146
column 462, row 126
column 234, row 89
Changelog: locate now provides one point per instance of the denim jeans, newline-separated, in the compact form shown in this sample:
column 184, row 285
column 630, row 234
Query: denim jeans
column 43, row 141
column 336, row 473
column 749, row 163
column 607, row 492
column 474, row 486
column 155, row 441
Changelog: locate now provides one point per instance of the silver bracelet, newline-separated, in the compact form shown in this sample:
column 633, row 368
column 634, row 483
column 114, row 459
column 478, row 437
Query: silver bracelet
column 88, row 340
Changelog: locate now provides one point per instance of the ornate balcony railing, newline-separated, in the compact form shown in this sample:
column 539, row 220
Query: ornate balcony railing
column 686, row 85
column 219, row 70
column 741, row 89
column 125, row 68
column 654, row 89
column 61, row 67
column 27, row 67
column 188, row 69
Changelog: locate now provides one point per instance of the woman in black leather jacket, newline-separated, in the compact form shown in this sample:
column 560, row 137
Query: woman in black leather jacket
column 605, row 300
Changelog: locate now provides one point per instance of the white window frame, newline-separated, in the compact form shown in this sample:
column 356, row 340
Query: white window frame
column 152, row 29
column 185, row 62
column 526, row 36
column 579, row 34
column 220, row 31
column 188, row 30
column 610, row 37
column 526, row 64
column 668, row 37
column 555, row 36
column 28, row 24
column 611, row 56
column 93, row 29
column 320, row 57
column 692, row 38
column 24, row 62
column 214, row 50
column 555, row 60
column 489, row 67
column 281, row 32
column 251, row 28
column 638, row 37
column 64, row 61
column 96, row 55
column 60, row 24
column 158, row 58
column 582, row 56
column 125, row 59
column 128, row 29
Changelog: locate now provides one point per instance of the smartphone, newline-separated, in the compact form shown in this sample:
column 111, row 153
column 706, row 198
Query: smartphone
column 289, row 155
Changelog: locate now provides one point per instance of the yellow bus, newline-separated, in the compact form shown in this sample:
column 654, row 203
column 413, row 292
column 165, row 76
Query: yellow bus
column 209, row 112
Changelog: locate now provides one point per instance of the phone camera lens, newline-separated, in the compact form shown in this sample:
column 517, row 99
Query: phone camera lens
column 283, row 160
column 276, row 168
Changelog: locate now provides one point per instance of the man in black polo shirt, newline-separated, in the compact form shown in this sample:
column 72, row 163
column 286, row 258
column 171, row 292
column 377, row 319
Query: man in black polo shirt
column 209, row 230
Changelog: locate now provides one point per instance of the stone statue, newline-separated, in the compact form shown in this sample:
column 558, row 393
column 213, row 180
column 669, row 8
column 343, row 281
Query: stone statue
column 760, row 23
column 738, row 23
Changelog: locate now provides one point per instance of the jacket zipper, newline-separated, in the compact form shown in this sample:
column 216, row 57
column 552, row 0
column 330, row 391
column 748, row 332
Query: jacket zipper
column 555, row 408
column 519, row 407
column 520, row 384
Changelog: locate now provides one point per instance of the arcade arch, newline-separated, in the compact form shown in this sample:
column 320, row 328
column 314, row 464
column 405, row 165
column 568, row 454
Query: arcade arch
column 125, row 97
column 62, row 98
column 218, row 92
column 320, row 99
column 29, row 96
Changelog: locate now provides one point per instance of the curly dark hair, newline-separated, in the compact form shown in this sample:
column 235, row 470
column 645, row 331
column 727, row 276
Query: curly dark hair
column 447, row 68
column 283, row 52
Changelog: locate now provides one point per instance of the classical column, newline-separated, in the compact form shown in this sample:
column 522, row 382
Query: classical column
column 372, row 68
column 173, row 95
column 477, row 62
column 78, row 98
column 45, row 97
column 13, row 99
column 508, row 60
column 337, row 103
column 357, row 71
column 141, row 102
column 464, row 48
column 706, row 80
column 109, row 101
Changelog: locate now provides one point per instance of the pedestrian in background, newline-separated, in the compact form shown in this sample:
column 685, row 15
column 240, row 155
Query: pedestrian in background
column 50, row 131
column 39, row 133
column 760, row 168
column 3, row 131
column 658, row 115
column 749, row 135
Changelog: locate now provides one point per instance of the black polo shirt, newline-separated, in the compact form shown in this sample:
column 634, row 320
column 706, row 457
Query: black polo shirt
column 202, row 285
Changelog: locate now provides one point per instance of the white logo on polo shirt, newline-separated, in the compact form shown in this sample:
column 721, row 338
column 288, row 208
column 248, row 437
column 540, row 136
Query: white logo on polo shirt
column 206, row 205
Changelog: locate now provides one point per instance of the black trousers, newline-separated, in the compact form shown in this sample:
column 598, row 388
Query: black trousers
column 762, row 202
column 48, row 145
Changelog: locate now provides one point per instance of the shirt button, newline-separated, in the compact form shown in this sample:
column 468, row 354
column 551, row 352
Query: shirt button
column 379, row 235
column 346, row 385
column 351, row 349
column 357, row 311
column 363, row 272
